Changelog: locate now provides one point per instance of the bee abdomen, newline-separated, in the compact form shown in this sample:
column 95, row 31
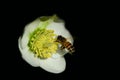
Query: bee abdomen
column 71, row 49
column 69, row 46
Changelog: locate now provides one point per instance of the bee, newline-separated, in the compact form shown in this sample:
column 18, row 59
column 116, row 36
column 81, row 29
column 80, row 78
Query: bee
column 65, row 44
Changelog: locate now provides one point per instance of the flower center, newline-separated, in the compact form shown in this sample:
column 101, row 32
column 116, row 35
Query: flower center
column 42, row 43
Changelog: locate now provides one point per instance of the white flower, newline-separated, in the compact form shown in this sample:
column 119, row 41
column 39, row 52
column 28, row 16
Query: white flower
column 38, row 47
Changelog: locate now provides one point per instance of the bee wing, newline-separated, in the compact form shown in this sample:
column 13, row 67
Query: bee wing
column 70, row 39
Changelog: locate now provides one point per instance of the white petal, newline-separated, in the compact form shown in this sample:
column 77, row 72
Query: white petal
column 28, row 29
column 27, row 55
column 60, row 29
column 55, row 64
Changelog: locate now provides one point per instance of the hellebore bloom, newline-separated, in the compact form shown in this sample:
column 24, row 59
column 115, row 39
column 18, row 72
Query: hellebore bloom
column 38, row 46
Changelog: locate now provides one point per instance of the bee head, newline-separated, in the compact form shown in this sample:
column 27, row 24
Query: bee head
column 60, row 39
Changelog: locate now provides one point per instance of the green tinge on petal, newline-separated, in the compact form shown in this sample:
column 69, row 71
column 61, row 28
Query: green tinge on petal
column 46, row 20
column 42, row 43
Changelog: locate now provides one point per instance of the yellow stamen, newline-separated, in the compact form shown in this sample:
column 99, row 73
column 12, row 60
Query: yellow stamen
column 42, row 43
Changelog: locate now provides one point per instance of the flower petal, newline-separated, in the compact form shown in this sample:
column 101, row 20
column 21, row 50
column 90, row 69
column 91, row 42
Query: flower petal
column 28, row 29
column 57, row 65
column 54, row 65
column 27, row 55
column 60, row 29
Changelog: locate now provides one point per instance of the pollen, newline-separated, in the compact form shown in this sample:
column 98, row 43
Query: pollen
column 42, row 43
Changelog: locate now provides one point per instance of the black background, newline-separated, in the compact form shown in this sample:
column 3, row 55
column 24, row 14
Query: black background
column 80, row 19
